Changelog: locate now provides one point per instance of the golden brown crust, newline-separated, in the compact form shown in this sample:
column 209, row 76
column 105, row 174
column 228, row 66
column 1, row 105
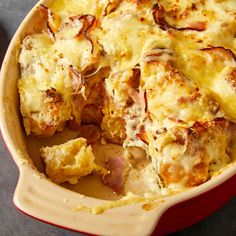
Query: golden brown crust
column 53, row 105
column 176, row 14
column 231, row 78
column 197, row 143
column 158, row 13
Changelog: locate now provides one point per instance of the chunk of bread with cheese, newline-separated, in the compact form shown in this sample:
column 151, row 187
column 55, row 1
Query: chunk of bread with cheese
column 171, row 97
column 44, row 111
column 214, row 69
column 52, row 75
column 70, row 161
column 184, row 156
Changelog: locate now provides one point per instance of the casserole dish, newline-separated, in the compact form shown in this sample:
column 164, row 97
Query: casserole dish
column 39, row 197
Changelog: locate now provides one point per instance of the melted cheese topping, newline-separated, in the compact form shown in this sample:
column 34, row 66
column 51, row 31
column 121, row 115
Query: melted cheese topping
column 173, row 97
column 158, row 75
column 119, row 43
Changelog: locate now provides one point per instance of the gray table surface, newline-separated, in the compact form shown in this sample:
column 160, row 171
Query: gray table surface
column 13, row 222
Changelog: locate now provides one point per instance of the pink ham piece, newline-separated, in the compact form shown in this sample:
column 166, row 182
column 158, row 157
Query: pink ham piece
column 115, row 179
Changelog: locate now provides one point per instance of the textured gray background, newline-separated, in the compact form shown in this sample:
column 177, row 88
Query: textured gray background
column 13, row 222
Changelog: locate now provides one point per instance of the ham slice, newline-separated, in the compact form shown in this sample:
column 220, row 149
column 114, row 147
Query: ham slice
column 115, row 179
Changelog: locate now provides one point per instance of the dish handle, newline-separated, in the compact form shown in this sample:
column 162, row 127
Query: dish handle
column 41, row 199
